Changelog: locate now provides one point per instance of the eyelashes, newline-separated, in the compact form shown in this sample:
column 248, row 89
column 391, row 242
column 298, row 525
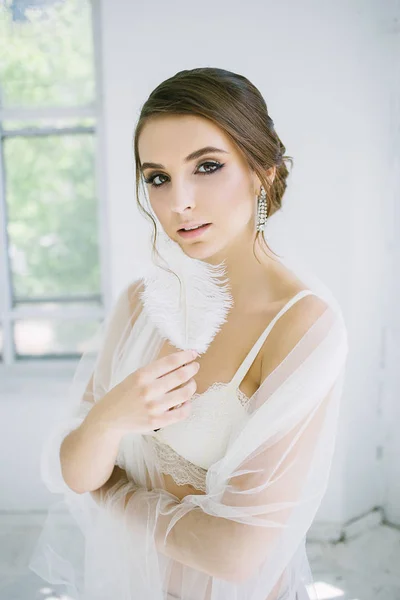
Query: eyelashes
column 217, row 166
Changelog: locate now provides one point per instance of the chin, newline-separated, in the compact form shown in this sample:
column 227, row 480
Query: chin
column 201, row 250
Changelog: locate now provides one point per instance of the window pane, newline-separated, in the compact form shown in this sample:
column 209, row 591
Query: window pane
column 1, row 343
column 47, row 53
column 45, row 337
column 52, row 215
column 15, row 125
column 52, row 309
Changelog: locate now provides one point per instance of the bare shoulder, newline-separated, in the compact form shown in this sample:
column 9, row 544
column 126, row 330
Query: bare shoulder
column 289, row 329
column 301, row 316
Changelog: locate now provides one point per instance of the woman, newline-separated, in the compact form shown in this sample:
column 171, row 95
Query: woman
column 197, row 477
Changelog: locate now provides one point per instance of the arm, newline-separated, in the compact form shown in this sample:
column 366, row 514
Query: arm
column 200, row 541
column 88, row 453
column 93, row 448
column 118, row 477
column 179, row 542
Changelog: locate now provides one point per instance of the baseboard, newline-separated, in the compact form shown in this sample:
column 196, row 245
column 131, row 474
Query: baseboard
column 324, row 532
column 321, row 532
column 356, row 527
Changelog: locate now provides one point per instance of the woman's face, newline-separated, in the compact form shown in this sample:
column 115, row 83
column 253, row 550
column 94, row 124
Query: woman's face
column 216, row 186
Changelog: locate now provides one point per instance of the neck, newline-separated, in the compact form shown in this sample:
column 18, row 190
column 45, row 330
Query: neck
column 248, row 277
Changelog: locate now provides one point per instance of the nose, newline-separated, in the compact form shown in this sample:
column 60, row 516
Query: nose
column 182, row 198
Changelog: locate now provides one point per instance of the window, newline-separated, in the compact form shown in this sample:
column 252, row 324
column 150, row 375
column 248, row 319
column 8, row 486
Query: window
column 51, row 275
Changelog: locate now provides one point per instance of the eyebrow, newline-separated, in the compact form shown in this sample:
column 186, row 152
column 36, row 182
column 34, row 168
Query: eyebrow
column 191, row 156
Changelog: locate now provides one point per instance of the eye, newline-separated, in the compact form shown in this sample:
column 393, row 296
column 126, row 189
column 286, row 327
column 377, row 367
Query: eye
column 152, row 178
column 216, row 166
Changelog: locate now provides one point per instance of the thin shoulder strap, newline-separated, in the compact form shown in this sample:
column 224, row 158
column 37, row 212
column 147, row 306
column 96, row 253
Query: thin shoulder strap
column 248, row 361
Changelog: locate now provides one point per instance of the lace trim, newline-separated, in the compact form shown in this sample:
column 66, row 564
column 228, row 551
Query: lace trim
column 181, row 470
column 243, row 399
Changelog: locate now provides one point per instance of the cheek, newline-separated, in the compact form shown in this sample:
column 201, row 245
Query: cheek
column 228, row 189
column 157, row 206
column 234, row 195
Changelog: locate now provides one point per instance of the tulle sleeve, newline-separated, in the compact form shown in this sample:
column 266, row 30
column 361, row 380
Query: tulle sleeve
column 245, row 537
column 92, row 379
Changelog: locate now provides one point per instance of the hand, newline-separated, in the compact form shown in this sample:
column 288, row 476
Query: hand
column 151, row 397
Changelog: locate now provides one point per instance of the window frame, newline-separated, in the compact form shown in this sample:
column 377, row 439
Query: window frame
column 8, row 313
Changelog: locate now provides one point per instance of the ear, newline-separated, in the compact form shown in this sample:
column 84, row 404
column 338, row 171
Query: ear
column 271, row 173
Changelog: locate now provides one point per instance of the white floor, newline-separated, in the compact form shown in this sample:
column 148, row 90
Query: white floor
column 366, row 568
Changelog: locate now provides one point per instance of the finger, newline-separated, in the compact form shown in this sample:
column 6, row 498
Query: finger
column 173, row 416
column 173, row 398
column 174, row 380
column 167, row 364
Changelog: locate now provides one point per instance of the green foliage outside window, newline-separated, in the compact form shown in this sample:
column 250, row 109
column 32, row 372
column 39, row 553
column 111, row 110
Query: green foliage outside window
column 47, row 60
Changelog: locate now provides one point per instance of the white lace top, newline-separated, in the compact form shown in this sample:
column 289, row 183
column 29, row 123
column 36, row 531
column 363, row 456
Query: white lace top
column 186, row 450
column 212, row 417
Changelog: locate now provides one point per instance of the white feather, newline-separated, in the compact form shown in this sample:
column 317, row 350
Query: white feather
column 193, row 318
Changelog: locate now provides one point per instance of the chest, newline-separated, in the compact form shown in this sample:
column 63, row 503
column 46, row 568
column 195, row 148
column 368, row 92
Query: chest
column 217, row 407
column 233, row 359
column 226, row 353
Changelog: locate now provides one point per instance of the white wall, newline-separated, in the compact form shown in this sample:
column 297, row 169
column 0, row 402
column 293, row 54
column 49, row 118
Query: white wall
column 390, row 404
column 319, row 67
column 391, row 399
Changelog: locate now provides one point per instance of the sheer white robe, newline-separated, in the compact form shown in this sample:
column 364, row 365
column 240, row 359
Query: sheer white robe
column 244, row 539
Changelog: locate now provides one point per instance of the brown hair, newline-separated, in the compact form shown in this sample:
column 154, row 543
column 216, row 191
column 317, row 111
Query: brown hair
column 233, row 103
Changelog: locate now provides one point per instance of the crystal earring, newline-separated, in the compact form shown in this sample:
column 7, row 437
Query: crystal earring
column 262, row 209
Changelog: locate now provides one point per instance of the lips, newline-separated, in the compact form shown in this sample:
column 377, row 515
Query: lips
column 192, row 225
column 194, row 233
